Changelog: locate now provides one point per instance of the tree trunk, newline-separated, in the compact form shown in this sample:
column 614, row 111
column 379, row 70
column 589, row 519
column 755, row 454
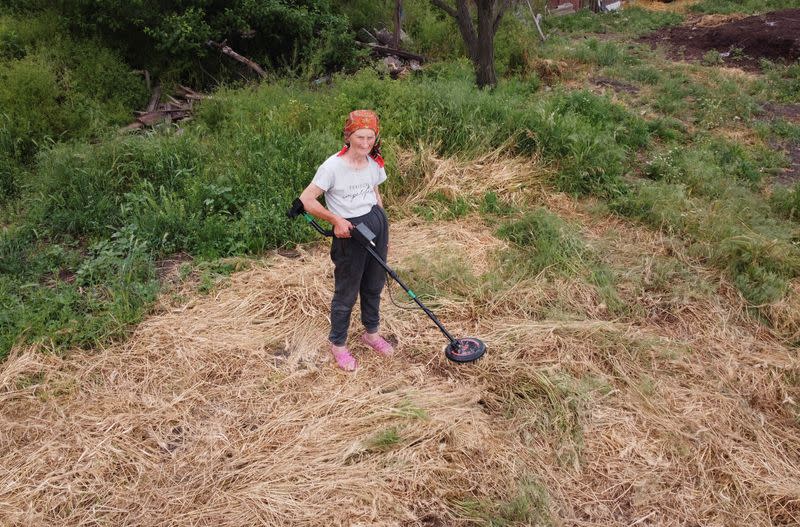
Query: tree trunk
column 480, row 43
column 484, row 65
column 398, row 23
column 464, row 20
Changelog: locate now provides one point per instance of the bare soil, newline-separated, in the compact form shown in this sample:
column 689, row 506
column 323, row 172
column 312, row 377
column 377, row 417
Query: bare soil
column 742, row 42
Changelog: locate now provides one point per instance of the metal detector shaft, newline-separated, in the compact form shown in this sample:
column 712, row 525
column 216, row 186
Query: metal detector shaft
column 408, row 291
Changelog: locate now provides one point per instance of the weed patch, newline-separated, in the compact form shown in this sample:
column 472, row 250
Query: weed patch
column 544, row 242
column 528, row 506
column 742, row 6
column 630, row 21
column 735, row 233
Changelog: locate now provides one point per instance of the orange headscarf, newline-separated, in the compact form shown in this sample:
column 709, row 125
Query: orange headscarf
column 364, row 119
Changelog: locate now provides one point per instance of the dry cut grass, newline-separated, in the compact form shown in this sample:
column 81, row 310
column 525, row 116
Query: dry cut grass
column 226, row 410
column 676, row 6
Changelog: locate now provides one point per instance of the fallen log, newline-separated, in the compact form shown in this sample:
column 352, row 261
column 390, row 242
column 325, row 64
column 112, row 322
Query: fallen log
column 152, row 118
column 190, row 94
column 225, row 49
column 387, row 51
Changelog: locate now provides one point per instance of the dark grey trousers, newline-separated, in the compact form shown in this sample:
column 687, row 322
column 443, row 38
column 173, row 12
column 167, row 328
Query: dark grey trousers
column 357, row 273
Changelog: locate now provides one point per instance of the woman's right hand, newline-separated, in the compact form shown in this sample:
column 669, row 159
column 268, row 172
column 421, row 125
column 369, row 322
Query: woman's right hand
column 341, row 229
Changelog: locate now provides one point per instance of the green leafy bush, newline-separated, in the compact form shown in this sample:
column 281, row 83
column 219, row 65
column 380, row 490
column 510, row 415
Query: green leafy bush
column 172, row 37
column 59, row 89
column 30, row 109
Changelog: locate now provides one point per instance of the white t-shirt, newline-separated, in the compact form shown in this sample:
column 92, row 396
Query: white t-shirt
column 349, row 192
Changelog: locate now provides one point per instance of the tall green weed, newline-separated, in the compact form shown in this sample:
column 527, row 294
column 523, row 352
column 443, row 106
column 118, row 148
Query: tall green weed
column 742, row 6
column 733, row 231
column 53, row 295
column 632, row 21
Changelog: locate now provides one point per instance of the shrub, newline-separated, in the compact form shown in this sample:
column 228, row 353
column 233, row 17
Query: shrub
column 30, row 111
column 59, row 89
column 168, row 37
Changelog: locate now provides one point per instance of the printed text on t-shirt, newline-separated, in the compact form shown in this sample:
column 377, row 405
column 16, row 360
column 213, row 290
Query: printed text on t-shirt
column 356, row 191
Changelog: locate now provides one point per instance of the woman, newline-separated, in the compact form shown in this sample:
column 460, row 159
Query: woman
column 349, row 180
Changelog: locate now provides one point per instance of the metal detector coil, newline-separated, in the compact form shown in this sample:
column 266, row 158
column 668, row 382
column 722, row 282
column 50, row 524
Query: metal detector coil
column 467, row 349
column 462, row 350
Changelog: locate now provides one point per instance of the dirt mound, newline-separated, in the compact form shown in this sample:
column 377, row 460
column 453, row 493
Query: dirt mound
column 741, row 42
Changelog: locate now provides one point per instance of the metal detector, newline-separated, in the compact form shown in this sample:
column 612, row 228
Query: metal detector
column 466, row 349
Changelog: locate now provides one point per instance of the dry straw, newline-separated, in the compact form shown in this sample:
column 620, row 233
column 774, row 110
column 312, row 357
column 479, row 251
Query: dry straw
column 226, row 410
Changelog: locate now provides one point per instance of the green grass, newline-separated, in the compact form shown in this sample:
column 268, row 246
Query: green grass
column 545, row 245
column 384, row 440
column 786, row 202
column 713, row 166
column 735, row 232
column 783, row 82
column 631, row 21
column 113, row 286
column 742, row 6
column 544, row 242
column 528, row 505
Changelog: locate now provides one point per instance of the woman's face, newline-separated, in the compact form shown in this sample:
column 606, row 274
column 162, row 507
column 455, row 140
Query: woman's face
column 362, row 141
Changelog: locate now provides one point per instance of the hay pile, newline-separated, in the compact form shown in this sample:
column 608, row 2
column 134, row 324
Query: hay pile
column 225, row 410
column 675, row 6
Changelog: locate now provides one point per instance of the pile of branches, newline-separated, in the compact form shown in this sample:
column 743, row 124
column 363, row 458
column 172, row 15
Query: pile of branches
column 177, row 108
column 384, row 43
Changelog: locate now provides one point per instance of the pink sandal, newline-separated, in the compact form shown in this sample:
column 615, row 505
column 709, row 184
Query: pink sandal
column 344, row 359
column 381, row 345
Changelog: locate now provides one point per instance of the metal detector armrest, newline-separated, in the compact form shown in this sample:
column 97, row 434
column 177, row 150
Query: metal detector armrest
column 297, row 209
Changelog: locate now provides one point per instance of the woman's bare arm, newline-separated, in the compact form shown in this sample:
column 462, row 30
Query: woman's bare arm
column 310, row 199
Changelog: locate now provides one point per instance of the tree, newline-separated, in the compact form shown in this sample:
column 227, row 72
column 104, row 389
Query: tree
column 480, row 40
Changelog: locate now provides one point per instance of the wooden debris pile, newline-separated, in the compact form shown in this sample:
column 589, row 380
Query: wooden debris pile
column 177, row 108
column 398, row 61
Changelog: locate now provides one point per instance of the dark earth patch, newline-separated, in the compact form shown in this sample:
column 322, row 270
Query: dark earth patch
column 616, row 85
column 741, row 42
column 790, row 112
